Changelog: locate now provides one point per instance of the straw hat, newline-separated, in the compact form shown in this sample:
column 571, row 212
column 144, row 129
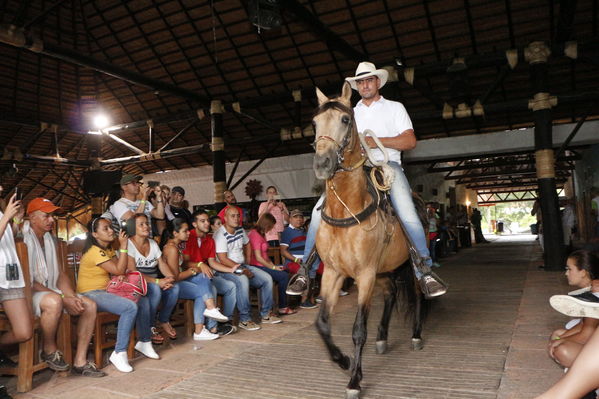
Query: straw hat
column 365, row 70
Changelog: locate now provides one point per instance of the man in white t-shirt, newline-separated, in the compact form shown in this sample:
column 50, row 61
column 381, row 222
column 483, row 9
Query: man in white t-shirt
column 233, row 252
column 129, row 204
column 390, row 122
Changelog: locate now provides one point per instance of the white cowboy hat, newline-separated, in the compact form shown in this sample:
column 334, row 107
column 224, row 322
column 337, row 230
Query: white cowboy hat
column 367, row 69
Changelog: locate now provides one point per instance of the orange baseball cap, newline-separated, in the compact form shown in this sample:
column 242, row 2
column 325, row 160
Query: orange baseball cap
column 41, row 204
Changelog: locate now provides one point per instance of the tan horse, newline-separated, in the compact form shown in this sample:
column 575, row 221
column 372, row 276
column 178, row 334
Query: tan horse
column 370, row 250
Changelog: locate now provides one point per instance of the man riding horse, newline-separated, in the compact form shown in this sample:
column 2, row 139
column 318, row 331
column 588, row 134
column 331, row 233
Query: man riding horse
column 385, row 118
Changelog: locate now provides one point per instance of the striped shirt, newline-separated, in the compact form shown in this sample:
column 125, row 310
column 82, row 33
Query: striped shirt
column 231, row 243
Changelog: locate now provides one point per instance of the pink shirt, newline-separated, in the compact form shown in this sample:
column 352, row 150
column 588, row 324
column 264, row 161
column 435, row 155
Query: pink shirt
column 257, row 242
column 278, row 213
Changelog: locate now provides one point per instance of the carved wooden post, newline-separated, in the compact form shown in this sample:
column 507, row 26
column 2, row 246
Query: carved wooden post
column 536, row 54
column 219, row 175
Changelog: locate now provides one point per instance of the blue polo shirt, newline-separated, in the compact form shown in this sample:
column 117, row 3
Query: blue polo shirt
column 295, row 239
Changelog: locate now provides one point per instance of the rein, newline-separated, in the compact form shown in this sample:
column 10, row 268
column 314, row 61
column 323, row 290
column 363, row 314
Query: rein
column 353, row 219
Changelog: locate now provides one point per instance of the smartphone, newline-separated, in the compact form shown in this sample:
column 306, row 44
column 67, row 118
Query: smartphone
column 277, row 197
column 153, row 183
column 128, row 226
column 18, row 194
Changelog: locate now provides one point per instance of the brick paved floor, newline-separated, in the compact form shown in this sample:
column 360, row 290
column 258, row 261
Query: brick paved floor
column 484, row 339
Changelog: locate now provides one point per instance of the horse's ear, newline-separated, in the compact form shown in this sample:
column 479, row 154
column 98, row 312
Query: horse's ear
column 321, row 97
column 346, row 92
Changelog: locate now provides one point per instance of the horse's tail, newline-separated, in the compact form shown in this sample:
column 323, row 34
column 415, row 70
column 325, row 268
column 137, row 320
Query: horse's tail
column 410, row 299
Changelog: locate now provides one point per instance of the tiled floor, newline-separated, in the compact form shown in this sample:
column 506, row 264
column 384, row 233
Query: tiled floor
column 484, row 339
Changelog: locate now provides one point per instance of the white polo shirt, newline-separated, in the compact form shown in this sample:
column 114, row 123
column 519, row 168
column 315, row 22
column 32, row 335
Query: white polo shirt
column 385, row 118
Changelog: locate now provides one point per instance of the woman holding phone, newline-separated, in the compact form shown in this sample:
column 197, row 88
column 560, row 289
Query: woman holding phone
column 276, row 208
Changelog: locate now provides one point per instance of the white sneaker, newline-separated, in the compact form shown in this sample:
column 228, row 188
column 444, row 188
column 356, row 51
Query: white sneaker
column 147, row 349
column 121, row 362
column 215, row 314
column 205, row 335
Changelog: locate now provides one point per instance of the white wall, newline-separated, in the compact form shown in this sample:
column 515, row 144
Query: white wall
column 292, row 175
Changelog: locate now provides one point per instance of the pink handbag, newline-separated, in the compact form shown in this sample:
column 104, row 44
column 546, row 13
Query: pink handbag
column 132, row 287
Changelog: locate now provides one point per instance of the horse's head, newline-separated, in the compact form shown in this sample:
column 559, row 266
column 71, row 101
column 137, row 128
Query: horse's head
column 333, row 124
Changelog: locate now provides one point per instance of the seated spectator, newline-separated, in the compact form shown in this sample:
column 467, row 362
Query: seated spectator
column 233, row 252
column 158, row 225
column 215, row 223
column 230, row 200
column 200, row 252
column 177, row 207
column 566, row 343
column 98, row 263
column 193, row 284
column 293, row 240
column 582, row 379
column 12, row 295
column 166, row 193
column 145, row 256
column 259, row 257
column 129, row 204
column 276, row 208
column 53, row 291
column 433, row 228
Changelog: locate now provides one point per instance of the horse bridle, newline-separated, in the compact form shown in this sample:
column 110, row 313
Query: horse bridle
column 346, row 138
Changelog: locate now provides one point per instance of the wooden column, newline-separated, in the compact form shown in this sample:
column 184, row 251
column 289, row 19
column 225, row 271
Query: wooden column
column 536, row 54
column 219, row 175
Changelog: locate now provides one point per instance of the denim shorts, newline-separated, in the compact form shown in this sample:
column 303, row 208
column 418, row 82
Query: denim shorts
column 6, row 294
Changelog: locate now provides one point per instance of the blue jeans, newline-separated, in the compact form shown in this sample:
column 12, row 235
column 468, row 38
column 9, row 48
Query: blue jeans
column 278, row 276
column 200, row 289
column 401, row 198
column 229, row 292
column 129, row 312
column 260, row 281
column 169, row 301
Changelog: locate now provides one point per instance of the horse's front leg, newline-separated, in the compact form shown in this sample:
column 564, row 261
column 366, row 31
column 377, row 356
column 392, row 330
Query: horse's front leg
column 329, row 290
column 365, row 282
column 389, row 287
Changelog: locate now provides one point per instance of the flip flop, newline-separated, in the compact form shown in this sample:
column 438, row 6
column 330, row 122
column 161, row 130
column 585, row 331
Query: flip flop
column 157, row 338
column 287, row 311
column 169, row 330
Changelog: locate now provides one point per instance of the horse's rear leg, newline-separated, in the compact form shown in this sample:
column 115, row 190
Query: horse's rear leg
column 390, row 298
column 331, row 284
column 365, row 281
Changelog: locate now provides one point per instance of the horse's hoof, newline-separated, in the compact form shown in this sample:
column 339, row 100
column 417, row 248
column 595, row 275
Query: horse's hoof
column 381, row 347
column 352, row 394
column 417, row 344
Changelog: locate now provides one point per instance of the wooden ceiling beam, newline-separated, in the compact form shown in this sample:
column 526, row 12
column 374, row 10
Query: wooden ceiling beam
column 333, row 41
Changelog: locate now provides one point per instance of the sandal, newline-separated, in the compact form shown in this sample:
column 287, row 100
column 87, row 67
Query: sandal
column 157, row 338
column 286, row 311
column 169, row 330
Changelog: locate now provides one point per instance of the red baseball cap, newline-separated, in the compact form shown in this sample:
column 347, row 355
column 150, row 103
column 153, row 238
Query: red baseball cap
column 41, row 204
